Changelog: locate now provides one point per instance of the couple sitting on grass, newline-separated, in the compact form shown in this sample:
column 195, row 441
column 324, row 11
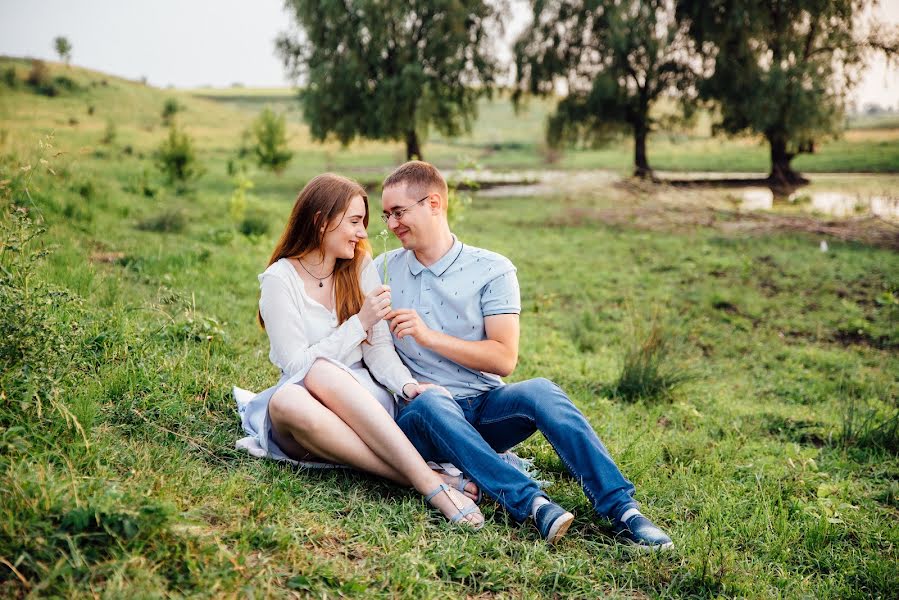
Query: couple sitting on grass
column 382, row 378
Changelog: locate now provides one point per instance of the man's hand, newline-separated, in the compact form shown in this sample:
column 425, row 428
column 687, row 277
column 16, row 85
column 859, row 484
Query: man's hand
column 411, row 390
column 405, row 321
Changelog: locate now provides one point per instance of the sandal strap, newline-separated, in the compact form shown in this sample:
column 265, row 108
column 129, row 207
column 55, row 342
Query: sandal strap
column 463, row 513
column 440, row 488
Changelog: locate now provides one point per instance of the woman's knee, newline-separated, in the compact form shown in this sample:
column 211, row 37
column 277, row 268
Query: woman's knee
column 294, row 408
column 322, row 374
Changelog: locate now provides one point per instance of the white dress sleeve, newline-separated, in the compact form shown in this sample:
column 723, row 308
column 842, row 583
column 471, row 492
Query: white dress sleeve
column 379, row 354
column 290, row 347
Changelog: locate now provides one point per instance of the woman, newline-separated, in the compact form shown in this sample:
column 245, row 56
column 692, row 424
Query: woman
column 322, row 305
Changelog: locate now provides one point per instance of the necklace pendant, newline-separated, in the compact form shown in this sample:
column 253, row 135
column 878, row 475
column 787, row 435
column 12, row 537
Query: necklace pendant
column 320, row 284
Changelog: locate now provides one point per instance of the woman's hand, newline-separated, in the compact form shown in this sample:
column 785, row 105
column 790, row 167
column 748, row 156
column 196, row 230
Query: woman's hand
column 411, row 390
column 375, row 307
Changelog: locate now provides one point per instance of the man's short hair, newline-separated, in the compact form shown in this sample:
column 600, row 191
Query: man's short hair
column 419, row 177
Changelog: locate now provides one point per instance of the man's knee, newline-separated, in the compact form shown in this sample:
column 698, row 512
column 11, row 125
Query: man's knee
column 545, row 397
column 431, row 406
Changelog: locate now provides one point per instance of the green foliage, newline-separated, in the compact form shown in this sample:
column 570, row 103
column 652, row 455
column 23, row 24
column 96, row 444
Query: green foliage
column 170, row 108
column 617, row 60
column 39, row 329
column 782, row 70
column 650, row 369
column 270, row 137
column 237, row 204
column 63, row 48
column 390, row 70
column 177, row 160
column 39, row 78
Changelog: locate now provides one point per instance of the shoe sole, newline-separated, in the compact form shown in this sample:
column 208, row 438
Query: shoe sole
column 559, row 528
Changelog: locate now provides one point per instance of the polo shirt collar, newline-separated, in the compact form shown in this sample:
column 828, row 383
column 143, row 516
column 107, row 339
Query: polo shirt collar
column 442, row 264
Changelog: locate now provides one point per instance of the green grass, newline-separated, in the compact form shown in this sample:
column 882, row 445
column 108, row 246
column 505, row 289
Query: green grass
column 774, row 468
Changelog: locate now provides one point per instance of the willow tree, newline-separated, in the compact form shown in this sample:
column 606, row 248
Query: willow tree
column 782, row 68
column 613, row 60
column 390, row 69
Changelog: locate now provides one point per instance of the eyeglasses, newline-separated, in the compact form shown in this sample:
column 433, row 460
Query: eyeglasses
column 398, row 213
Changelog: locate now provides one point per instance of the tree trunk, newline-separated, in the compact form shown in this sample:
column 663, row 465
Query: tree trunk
column 782, row 174
column 641, row 164
column 413, row 150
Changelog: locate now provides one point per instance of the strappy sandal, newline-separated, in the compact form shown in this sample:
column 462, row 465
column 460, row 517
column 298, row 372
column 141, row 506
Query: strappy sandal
column 460, row 481
column 463, row 512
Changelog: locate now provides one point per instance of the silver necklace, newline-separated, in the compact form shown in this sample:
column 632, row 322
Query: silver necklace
column 320, row 279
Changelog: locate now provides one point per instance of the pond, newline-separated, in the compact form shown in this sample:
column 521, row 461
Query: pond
column 735, row 189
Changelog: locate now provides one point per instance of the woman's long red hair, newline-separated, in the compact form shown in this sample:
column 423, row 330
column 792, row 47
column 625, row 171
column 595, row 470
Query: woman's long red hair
column 320, row 207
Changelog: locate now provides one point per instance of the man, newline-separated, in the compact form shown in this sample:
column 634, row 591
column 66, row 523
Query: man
column 455, row 323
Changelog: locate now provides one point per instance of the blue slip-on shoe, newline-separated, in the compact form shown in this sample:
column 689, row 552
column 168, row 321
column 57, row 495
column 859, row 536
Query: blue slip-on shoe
column 640, row 532
column 553, row 521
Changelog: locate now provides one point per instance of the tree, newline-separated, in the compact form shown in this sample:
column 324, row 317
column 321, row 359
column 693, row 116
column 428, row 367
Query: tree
column 64, row 48
column 782, row 68
column 270, row 133
column 614, row 58
column 390, row 69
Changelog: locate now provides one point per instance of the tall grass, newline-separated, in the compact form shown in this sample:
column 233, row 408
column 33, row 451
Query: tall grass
column 869, row 421
column 651, row 368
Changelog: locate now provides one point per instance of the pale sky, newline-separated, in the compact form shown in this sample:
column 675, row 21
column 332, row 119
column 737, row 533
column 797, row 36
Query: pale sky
column 192, row 43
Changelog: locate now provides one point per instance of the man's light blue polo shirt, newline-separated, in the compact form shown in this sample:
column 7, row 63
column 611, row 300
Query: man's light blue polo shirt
column 453, row 296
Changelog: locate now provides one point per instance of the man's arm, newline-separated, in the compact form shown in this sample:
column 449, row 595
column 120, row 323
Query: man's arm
column 497, row 354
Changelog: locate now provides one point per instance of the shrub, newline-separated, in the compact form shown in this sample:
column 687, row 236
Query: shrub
column 170, row 108
column 169, row 221
column 270, row 133
column 86, row 188
column 110, row 134
column 39, row 330
column 237, row 204
column 10, row 78
column 648, row 370
column 176, row 158
column 39, row 79
column 254, row 224
column 65, row 83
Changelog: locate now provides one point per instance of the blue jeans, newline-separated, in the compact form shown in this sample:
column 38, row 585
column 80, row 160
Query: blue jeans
column 468, row 432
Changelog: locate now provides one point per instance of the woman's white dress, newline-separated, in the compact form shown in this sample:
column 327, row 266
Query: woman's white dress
column 300, row 331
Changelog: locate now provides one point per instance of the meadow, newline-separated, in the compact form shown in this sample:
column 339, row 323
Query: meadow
column 774, row 465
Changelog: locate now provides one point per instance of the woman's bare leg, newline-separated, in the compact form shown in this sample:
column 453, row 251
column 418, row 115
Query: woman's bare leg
column 301, row 425
column 354, row 405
